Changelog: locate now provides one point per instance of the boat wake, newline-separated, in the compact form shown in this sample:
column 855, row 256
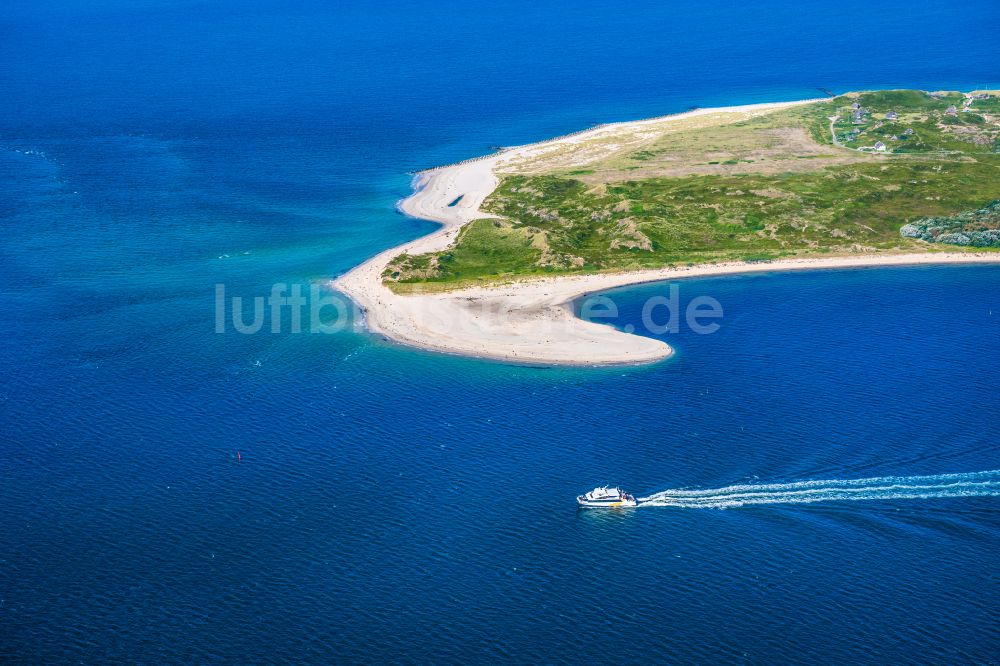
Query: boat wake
column 972, row 484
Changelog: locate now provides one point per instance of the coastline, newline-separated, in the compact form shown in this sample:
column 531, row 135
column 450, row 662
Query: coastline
column 531, row 321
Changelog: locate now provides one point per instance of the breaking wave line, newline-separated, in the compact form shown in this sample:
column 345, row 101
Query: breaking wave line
column 971, row 484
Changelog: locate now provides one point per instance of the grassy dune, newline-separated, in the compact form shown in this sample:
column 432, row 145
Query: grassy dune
column 805, row 181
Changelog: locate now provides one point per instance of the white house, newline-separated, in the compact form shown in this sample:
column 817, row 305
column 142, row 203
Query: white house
column 879, row 147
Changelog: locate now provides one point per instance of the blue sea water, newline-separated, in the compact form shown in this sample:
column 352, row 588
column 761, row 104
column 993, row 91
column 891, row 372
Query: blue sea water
column 392, row 505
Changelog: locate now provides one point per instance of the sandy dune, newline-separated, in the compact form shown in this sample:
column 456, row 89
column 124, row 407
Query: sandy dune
column 532, row 321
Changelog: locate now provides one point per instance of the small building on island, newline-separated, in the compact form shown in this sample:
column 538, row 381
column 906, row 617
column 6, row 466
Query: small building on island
column 892, row 115
column 951, row 111
column 879, row 147
column 908, row 132
column 856, row 106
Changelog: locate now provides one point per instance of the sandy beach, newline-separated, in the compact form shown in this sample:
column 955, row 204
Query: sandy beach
column 531, row 321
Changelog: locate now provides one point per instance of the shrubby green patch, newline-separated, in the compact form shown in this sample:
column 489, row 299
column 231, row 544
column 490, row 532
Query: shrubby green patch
column 979, row 228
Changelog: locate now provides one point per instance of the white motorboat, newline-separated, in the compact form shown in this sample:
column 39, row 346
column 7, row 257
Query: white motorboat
column 605, row 498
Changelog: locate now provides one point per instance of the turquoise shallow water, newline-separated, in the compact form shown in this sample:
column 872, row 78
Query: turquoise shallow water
column 397, row 505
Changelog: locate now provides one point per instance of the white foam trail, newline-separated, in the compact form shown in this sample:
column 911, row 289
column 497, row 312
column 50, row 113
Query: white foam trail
column 971, row 484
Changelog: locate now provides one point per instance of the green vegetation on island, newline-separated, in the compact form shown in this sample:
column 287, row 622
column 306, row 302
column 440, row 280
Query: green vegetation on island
column 886, row 171
column 980, row 228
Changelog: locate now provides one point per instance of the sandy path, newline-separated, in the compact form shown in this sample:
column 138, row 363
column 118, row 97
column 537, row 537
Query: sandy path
column 531, row 321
